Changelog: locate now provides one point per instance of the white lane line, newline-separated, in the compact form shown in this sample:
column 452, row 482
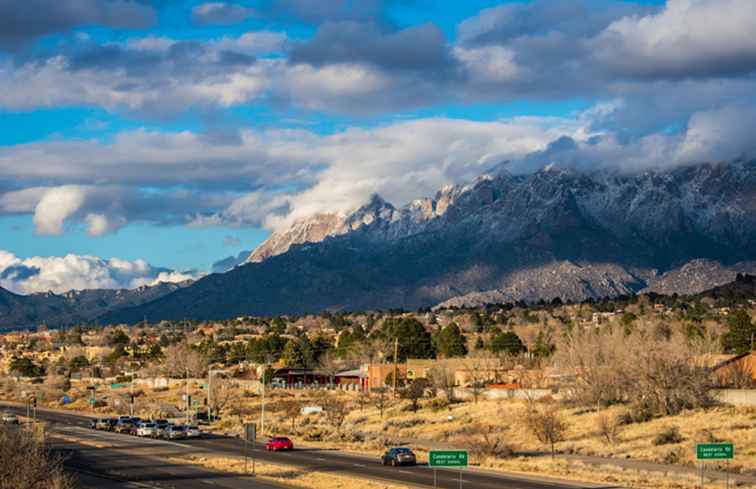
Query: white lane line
column 359, row 465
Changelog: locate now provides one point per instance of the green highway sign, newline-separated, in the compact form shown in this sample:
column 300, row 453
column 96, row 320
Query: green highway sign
column 447, row 458
column 715, row 451
column 117, row 386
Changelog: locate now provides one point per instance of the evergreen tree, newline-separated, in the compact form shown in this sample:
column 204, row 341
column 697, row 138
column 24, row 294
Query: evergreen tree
column 414, row 339
column 543, row 348
column 294, row 355
column 507, row 342
column 450, row 342
column 741, row 333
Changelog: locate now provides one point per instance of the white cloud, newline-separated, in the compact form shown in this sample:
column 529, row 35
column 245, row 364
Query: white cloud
column 55, row 207
column 75, row 272
column 687, row 38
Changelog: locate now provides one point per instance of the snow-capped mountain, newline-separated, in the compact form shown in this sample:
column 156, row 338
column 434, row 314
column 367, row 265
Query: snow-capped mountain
column 554, row 233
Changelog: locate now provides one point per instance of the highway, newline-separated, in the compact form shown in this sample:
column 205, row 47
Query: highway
column 144, row 460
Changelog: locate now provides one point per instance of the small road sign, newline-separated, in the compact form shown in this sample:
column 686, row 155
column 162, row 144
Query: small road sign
column 715, row 451
column 447, row 458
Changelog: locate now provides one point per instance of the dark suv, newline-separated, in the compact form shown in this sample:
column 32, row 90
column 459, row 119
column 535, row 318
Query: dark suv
column 398, row 456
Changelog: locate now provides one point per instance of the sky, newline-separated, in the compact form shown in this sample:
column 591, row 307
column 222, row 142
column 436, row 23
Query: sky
column 147, row 140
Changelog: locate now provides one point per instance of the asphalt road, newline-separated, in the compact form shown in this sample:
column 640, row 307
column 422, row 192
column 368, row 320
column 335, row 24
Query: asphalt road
column 141, row 455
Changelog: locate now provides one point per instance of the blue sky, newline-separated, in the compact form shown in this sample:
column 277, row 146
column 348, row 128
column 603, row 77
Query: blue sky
column 181, row 133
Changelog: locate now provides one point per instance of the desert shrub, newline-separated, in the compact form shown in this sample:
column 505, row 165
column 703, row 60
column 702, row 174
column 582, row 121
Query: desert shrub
column 636, row 415
column 485, row 441
column 674, row 456
column 668, row 436
column 439, row 403
column 708, row 436
column 403, row 423
column 360, row 420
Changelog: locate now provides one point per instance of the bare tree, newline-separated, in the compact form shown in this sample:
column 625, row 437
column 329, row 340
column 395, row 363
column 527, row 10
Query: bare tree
column 222, row 393
column 291, row 408
column 415, row 391
column 442, row 378
column 26, row 464
column 609, row 428
column 330, row 365
column 546, row 425
column 180, row 358
column 336, row 410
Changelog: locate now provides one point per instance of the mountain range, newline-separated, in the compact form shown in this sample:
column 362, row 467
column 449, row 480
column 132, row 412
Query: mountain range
column 501, row 238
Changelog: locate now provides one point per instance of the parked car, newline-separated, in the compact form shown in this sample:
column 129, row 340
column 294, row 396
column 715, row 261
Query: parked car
column 9, row 418
column 103, row 424
column 112, row 422
column 133, row 429
column 123, row 427
column 93, row 423
column 398, row 456
column 193, row 432
column 160, row 428
column 147, row 429
column 175, row 432
column 279, row 443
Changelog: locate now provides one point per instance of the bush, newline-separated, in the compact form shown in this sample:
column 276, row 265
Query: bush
column 669, row 436
column 402, row 424
column 673, row 457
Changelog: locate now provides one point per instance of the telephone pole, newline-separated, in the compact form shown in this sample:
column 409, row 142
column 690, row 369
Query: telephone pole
column 396, row 360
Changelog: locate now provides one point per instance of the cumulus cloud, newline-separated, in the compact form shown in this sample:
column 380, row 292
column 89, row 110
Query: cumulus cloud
column 75, row 272
column 688, row 38
column 221, row 13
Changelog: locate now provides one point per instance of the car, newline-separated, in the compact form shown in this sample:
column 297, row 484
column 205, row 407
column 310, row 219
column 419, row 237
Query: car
column 9, row 418
column 103, row 424
column 147, row 429
column 193, row 432
column 123, row 419
column 93, row 423
column 111, row 422
column 123, row 427
column 279, row 443
column 160, row 428
column 398, row 456
column 175, row 432
column 133, row 429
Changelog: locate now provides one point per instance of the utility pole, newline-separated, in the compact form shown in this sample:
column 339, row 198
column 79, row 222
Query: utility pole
column 186, row 374
column 262, row 410
column 396, row 360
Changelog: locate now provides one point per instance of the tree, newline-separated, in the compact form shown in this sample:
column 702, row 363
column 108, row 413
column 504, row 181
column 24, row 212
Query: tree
column 415, row 391
column 442, row 378
column 294, row 354
column 507, row 342
column 546, row 425
column 292, row 409
column 450, row 342
column 24, row 367
column 118, row 338
column 330, row 365
column 181, row 359
column 543, row 347
column 25, row 463
column 336, row 410
column 741, row 333
column 414, row 339
column 77, row 363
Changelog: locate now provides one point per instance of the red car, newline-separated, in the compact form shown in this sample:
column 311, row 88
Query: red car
column 279, row 443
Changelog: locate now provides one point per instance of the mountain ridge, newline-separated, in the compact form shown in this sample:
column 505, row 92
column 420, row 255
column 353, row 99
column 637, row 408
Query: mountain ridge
column 554, row 233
